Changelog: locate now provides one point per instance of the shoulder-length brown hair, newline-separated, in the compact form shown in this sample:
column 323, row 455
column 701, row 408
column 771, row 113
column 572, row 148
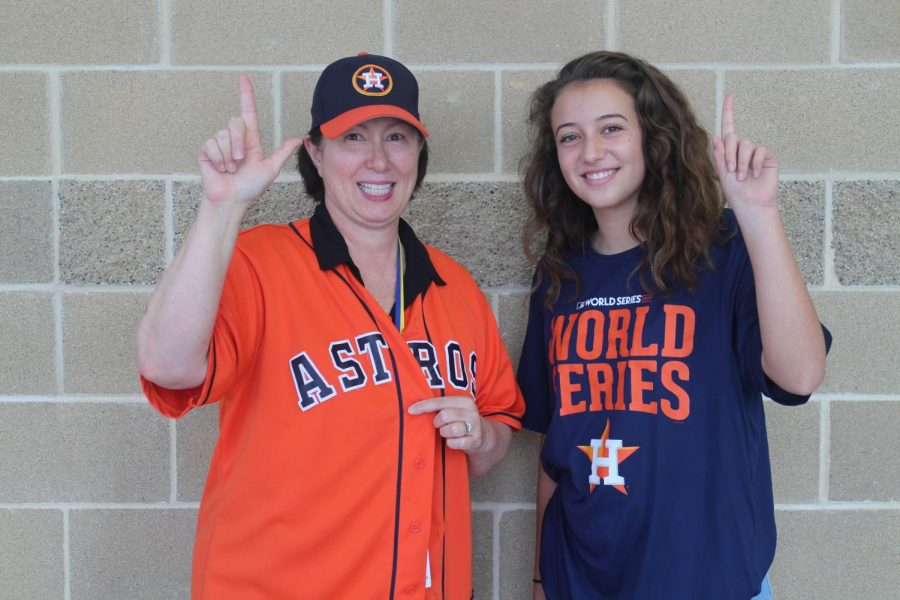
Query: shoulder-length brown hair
column 679, row 207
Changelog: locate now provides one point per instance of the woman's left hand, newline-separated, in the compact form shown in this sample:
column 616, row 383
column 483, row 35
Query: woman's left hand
column 456, row 418
column 747, row 173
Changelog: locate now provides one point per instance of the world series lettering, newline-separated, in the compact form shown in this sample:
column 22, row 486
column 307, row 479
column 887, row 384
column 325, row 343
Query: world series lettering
column 601, row 360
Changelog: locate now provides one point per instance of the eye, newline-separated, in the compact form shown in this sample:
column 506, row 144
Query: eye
column 396, row 136
column 566, row 138
column 353, row 136
column 613, row 128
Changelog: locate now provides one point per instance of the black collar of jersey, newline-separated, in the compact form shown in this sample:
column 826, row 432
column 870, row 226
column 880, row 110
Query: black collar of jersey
column 331, row 251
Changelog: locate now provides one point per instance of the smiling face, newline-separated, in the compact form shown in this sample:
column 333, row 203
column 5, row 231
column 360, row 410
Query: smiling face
column 369, row 172
column 599, row 147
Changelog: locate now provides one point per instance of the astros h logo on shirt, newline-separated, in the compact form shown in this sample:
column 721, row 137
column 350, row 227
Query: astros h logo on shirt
column 372, row 80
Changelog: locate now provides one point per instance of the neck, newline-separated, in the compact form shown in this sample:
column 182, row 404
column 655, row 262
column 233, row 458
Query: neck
column 613, row 234
column 374, row 252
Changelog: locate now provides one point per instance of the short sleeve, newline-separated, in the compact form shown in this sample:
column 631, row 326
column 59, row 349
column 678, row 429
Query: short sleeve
column 236, row 335
column 497, row 395
column 534, row 368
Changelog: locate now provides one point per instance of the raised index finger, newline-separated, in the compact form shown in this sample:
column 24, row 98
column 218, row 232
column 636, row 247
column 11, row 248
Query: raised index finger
column 728, row 115
column 248, row 103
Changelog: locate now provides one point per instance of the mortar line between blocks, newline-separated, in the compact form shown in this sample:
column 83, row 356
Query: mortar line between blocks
column 169, row 223
column 173, row 462
column 277, row 134
column 611, row 29
column 67, row 561
column 829, row 277
column 498, row 122
column 824, row 449
column 720, row 97
column 387, row 15
column 835, row 41
column 165, row 32
column 458, row 66
column 495, row 554
column 55, row 109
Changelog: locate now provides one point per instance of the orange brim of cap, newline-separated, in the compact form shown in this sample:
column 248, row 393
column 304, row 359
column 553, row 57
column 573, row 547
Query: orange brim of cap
column 341, row 123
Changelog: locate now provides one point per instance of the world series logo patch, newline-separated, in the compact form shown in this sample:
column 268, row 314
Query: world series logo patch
column 372, row 80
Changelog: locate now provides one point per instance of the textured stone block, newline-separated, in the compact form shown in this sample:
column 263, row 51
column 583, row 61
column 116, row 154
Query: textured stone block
column 516, row 554
column 864, row 447
column 866, row 224
column 26, row 232
column 48, row 31
column 512, row 321
column 134, row 554
column 99, row 342
column 722, row 31
column 812, row 119
column 28, row 344
column 24, row 117
column 483, row 553
column 111, row 231
column 196, row 433
column 514, row 479
column 866, row 327
column 296, row 98
column 870, row 30
column 472, row 31
column 150, row 122
column 281, row 203
column 478, row 224
column 458, row 110
column 698, row 86
column 517, row 88
column 31, row 557
column 82, row 452
column 802, row 205
column 835, row 555
column 215, row 32
column 794, row 451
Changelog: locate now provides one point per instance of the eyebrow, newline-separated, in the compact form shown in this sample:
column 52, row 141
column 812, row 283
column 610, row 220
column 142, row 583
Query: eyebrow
column 600, row 118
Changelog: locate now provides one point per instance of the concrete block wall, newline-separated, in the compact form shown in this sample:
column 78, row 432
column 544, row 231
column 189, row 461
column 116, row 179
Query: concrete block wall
column 102, row 108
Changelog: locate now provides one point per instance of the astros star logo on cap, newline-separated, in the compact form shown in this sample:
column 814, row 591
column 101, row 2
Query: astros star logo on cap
column 372, row 80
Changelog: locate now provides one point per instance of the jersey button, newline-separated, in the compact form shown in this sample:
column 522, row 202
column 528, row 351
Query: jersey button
column 419, row 463
column 415, row 527
column 410, row 589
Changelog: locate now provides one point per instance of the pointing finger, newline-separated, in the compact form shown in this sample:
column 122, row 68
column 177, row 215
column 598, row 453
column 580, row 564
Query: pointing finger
column 248, row 104
column 728, row 115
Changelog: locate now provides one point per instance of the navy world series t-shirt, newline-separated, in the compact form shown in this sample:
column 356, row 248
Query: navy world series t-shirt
column 655, row 434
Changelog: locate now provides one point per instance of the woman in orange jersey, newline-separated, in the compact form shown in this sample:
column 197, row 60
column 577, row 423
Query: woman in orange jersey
column 658, row 320
column 359, row 373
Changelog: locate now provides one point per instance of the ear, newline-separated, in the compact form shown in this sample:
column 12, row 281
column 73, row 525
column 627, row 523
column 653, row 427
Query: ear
column 314, row 151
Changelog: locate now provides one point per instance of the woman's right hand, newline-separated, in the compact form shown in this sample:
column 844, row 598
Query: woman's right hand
column 538, row 592
column 233, row 167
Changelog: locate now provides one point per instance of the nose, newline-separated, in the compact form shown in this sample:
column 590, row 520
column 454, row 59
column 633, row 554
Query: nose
column 594, row 149
column 378, row 157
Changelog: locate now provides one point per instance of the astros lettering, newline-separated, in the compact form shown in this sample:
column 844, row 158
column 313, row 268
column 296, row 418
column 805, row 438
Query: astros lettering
column 632, row 376
column 363, row 360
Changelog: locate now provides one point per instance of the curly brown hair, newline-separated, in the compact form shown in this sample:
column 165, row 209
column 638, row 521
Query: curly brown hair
column 679, row 207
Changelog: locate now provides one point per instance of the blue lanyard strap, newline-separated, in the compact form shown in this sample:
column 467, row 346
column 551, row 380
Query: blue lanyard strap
column 399, row 305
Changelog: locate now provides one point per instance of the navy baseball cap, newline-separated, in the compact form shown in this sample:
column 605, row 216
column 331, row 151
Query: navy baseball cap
column 358, row 88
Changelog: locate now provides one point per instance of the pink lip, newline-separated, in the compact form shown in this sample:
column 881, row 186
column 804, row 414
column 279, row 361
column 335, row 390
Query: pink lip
column 376, row 191
column 601, row 181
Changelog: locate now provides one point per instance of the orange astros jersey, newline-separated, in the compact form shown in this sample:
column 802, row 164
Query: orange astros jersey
column 321, row 485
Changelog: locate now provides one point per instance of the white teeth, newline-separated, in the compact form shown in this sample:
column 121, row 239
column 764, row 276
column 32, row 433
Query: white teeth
column 599, row 175
column 373, row 189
